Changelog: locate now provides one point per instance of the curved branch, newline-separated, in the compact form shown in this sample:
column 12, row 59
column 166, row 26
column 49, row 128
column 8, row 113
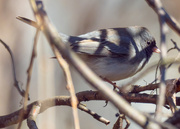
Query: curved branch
column 172, row 22
column 21, row 91
column 31, row 120
column 13, row 118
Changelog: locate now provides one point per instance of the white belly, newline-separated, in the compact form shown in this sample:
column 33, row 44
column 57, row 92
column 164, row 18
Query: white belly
column 113, row 69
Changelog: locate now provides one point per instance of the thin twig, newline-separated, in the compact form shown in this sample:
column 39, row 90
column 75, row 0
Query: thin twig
column 127, row 122
column 169, row 65
column 176, row 48
column 172, row 22
column 175, row 45
column 29, row 72
column 93, row 114
column 16, row 84
column 137, row 89
column 163, row 28
column 70, row 86
column 126, row 87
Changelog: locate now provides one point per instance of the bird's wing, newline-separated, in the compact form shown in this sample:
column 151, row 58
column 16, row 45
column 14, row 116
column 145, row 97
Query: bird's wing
column 101, row 48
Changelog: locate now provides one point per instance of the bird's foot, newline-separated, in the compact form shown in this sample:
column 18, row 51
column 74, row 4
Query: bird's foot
column 112, row 83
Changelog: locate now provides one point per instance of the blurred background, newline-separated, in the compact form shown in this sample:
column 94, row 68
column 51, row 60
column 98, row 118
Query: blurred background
column 73, row 18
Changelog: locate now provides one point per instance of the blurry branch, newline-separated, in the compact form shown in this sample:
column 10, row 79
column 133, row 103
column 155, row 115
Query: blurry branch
column 162, row 87
column 29, row 73
column 175, row 119
column 172, row 22
column 42, row 105
column 70, row 86
column 164, row 17
column 31, row 120
column 54, row 40
column 16, row 84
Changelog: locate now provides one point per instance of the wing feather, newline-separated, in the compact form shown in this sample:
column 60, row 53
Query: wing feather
column 100, row 48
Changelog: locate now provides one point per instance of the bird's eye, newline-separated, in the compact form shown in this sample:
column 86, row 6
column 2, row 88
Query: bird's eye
column 148, row 42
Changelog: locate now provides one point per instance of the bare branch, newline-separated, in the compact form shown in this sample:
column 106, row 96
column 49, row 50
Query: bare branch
column 118, row 124
column 172, row 22
column 70, row 86
column 13, row 118
column 164, row 17
column 29, row 72
column 93, row 114
column 16, row 84
column 163, row 28
column 31, row 120
column 137, row 89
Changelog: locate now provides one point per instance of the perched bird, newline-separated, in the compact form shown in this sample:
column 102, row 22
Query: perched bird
column 116, row 53
column 113, row 54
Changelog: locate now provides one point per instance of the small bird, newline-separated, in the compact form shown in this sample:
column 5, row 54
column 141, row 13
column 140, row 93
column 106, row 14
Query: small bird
column 113, row 54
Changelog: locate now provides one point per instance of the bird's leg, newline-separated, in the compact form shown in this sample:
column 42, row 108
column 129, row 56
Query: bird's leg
column 112, row 83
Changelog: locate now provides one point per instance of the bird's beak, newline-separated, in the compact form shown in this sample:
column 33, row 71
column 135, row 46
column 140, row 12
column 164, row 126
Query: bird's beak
column 156, row 50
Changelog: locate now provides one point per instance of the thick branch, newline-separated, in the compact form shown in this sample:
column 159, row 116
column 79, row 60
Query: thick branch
column 13, row 118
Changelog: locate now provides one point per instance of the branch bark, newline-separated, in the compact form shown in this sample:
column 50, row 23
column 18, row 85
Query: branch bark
column 13, row 118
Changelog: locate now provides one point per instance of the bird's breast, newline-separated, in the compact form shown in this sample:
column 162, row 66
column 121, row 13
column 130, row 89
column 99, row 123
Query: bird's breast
column 113, row 69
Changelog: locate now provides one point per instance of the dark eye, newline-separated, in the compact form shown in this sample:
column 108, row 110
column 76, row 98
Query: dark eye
column 148, row 42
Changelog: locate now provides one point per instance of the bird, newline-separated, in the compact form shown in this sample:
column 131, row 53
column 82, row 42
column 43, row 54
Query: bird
column 113, row 54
